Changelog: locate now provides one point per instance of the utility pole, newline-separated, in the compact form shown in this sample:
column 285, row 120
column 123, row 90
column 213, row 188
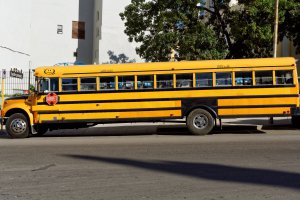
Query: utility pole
column 275, row 29
column 275, row 39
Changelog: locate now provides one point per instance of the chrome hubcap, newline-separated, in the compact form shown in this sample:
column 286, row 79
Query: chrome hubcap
column 18, row 126
column 200, row 121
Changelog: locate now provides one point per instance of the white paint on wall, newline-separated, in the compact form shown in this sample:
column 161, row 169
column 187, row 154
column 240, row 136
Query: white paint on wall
column 30, row 26
column 15, row 20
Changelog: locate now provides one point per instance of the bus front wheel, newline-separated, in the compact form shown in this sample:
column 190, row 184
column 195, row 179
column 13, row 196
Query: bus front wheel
column 200, row 122
column 17, row 126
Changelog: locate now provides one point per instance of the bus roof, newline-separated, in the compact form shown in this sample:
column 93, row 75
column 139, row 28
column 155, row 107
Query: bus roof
column 58, row 71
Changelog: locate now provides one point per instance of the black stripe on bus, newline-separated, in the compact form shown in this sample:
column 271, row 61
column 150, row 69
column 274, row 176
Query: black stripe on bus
column 111, row 110
column 171, row 99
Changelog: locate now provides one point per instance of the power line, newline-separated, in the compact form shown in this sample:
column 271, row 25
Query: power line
column 19, row 52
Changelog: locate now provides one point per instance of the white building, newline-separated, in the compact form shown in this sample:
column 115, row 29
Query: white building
column 49, row 32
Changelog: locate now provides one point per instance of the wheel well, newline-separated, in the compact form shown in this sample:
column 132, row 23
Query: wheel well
column 207, row 108
column 14, row 111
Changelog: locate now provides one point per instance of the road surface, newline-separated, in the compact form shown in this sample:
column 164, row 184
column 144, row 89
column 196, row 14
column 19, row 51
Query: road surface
column 153, row 162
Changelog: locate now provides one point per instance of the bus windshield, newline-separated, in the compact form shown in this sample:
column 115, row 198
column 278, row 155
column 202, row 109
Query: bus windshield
column 47, row 85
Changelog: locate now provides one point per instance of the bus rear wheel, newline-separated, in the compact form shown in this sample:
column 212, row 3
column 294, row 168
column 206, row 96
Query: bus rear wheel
column 200, row 122
column 17, row 126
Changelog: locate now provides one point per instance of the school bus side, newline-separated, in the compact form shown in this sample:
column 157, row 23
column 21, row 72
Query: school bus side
column 184, row 94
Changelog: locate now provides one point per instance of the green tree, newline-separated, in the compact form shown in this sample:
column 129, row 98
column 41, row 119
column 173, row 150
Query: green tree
column 290, row 24
column 121, row 58
column 162, row 26
column 196, row 31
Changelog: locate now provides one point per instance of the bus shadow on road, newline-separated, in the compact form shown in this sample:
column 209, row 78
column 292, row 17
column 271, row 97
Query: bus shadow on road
column 207, row 171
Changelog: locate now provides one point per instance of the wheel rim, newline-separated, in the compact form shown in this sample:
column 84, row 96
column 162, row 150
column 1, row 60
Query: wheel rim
column 200, row 121
column 18, row 126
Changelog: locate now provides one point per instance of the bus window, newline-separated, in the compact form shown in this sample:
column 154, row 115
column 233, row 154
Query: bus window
column 184, row 80
column 224, row 79
column 243, row 78
column 126, row 83
column 204, row 80
column 145, row 82
column 88, row 84
column 164, row 81
column 69, row 84
column 284, row 77
column 107, row 83
column 49, row 85
column 264, row 77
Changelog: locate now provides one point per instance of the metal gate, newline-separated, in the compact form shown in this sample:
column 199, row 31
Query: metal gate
column 16, row 82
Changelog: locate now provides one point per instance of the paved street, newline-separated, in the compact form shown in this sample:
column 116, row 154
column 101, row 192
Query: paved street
column 153, row 162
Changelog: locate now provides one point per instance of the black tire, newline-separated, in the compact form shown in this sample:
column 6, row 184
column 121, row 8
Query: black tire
column 41, row 130
column 200, row 122
column 17, row 126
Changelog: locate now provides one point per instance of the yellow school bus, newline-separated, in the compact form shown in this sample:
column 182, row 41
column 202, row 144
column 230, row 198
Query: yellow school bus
column 201, row 92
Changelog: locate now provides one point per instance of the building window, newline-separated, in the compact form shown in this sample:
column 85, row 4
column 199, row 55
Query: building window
column 59, row 29
column 98, row 15
column 78, row 30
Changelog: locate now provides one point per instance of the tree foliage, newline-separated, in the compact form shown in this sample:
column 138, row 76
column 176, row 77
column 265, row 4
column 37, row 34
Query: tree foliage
column 117, row 59
column 197, row 31
column 162, row 26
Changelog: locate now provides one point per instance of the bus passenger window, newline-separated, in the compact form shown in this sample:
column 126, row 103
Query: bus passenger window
column 204, row 80
column 184, row 80
column 284, row 77
column 224, row 79
column 107, row 83
column 126, row 83
column 145, row 82
column 88, row 84
column 164, row 81
column 264, row 77
column 243, row 78
column 69, row 84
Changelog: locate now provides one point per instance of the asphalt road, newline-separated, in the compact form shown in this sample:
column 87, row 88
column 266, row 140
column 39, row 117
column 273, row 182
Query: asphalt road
column 150, row 162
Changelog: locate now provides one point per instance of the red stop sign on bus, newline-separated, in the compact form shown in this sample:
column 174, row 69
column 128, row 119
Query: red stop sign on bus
column 51, row 99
